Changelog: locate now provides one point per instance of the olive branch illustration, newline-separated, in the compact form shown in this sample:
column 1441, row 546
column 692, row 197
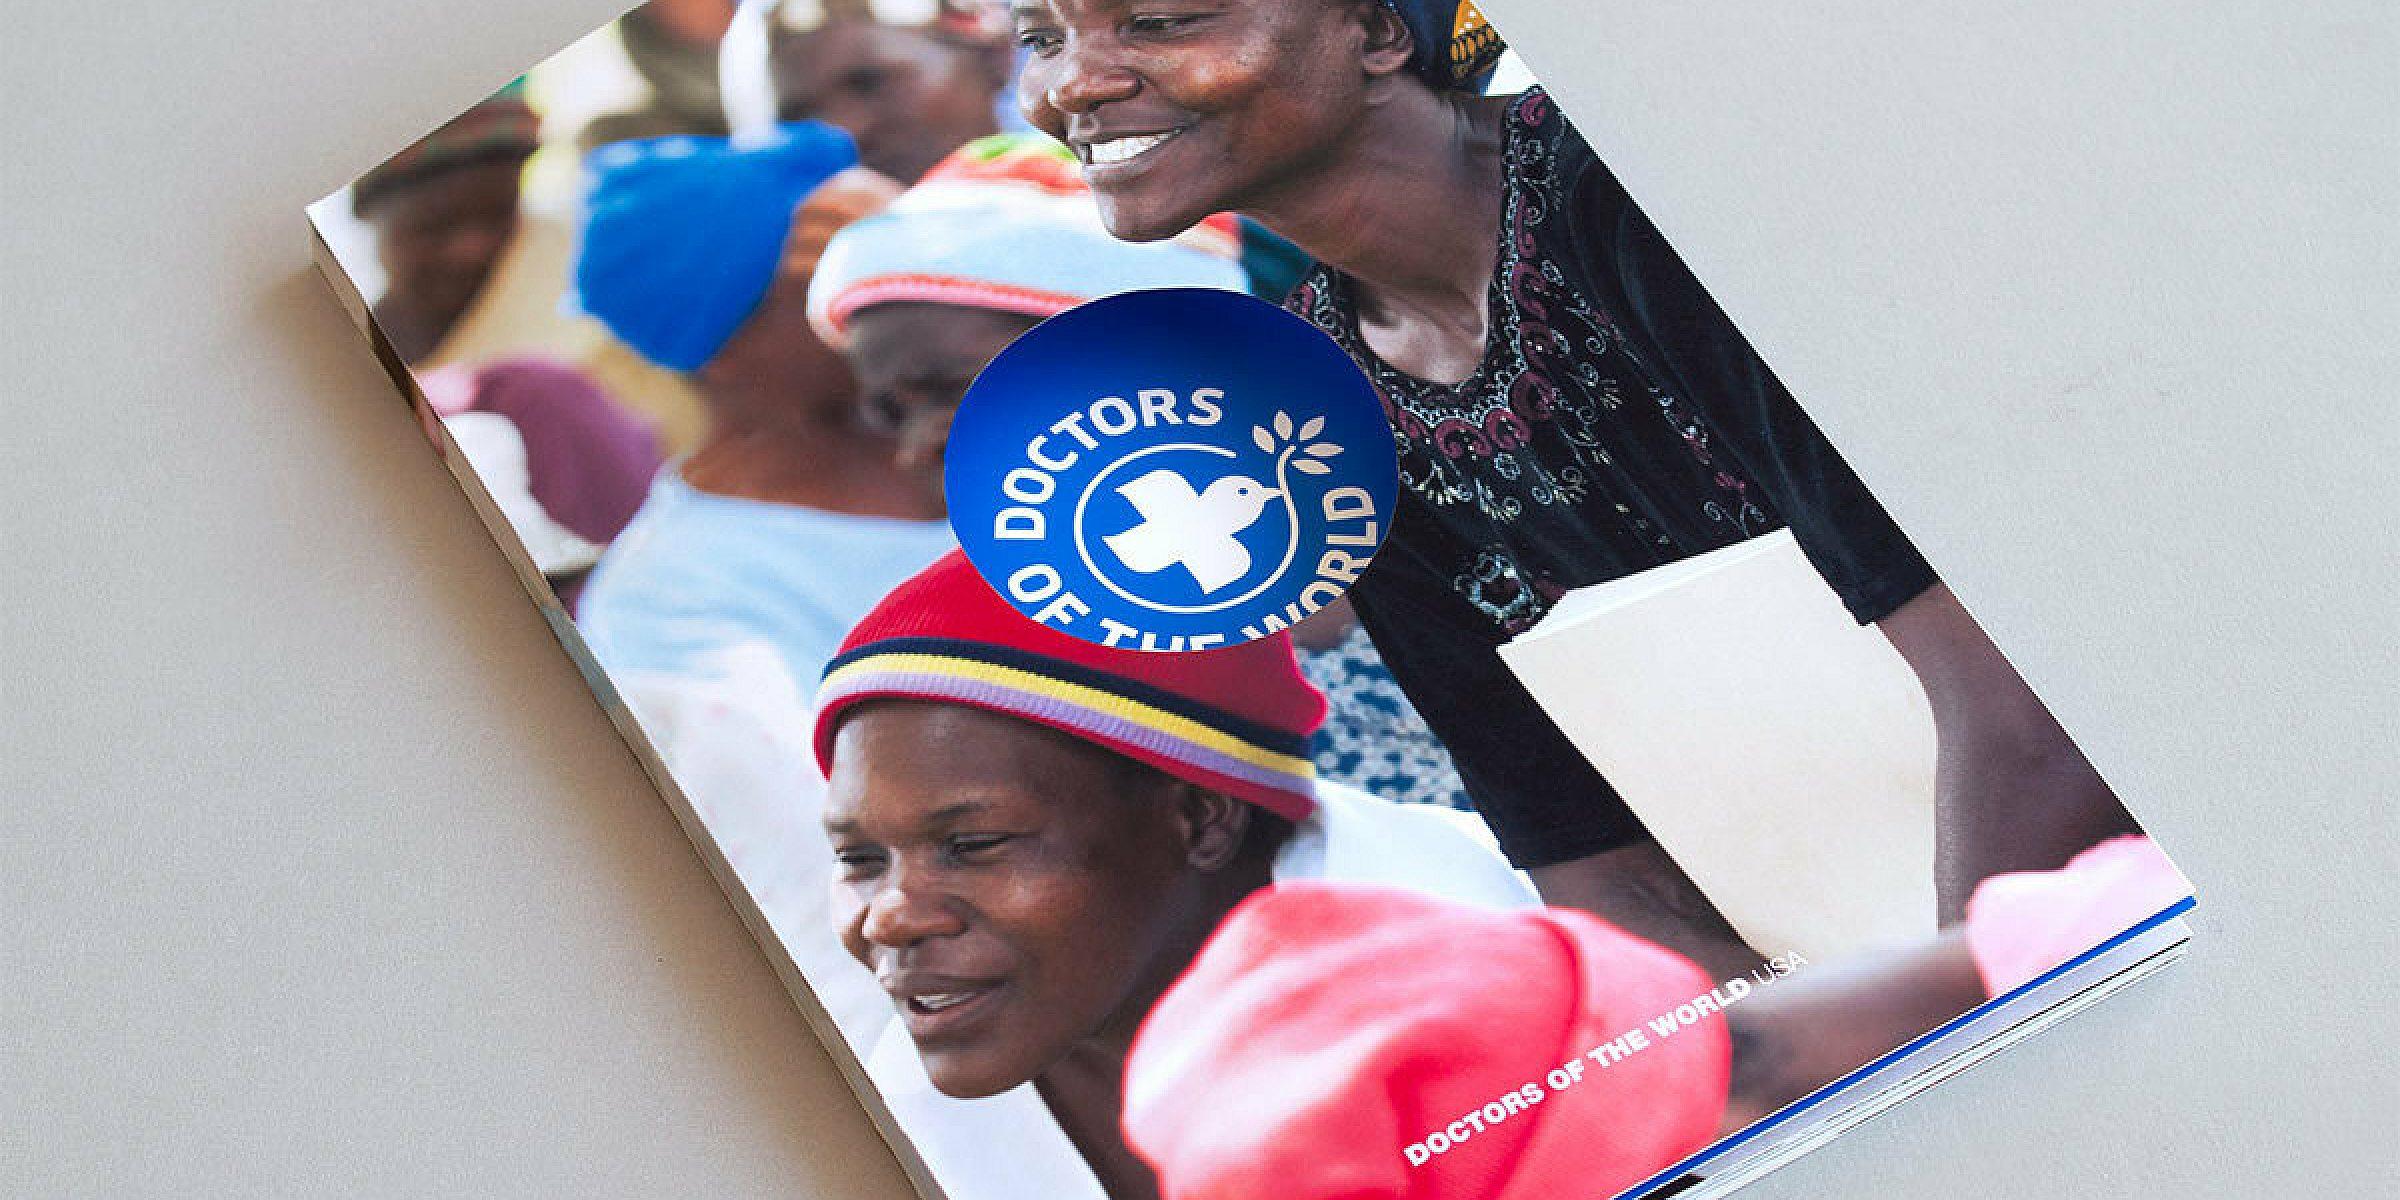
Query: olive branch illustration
column 1294, row 450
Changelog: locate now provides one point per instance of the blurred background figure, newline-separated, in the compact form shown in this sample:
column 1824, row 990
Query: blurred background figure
column 442, row 212
column 671, row 46
column 998, row 236
column 566, row 465
column 651, row 73
column 715, row 612
column 791, row 518
column 911, row 81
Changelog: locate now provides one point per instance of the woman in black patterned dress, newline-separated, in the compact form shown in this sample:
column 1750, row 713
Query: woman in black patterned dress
column 1570, row 405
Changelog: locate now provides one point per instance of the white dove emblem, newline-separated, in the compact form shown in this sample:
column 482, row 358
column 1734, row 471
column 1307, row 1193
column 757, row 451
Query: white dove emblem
column 1194, row 529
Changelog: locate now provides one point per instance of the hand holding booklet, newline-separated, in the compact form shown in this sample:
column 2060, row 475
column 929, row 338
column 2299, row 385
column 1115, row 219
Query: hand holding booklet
column 1780, row 751
column 1227, row 647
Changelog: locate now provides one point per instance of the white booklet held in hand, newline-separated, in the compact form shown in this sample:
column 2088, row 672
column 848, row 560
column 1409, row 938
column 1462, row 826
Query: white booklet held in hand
column 1780, row 751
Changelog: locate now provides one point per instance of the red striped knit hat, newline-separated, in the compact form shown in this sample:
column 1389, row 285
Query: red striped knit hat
column 1235, row 719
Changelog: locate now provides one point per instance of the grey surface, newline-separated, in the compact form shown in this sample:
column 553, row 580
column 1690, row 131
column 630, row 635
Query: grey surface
column 325, row 876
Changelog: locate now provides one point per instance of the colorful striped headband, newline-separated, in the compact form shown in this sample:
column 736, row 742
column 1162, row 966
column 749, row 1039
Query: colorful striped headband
column 1234, row 720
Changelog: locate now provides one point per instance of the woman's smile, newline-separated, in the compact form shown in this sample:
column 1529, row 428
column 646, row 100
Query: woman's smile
column 1016, row 891
column 1240, row 96
column 939, row 1008
column 1119, row 149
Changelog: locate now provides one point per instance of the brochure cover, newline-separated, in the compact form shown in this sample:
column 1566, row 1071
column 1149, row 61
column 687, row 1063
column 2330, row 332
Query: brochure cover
column 1230, row 614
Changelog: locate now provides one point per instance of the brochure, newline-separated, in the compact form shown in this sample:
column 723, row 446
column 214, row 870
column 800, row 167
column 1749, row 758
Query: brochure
column 1229, row 613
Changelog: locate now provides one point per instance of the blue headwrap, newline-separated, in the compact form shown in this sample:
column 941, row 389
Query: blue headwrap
column 1456, row 47
column 682, row 235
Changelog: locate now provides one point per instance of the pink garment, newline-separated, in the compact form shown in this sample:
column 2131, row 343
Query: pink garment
column 2021, row 925
column 449, row 391
column 591, row 461
column 588, row 462
column 1344, row 1042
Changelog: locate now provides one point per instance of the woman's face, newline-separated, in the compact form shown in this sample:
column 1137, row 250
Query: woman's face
column 441, row 238
column 907, row 96
column 1183, row 108
column 1015, row 890
column 914, row 363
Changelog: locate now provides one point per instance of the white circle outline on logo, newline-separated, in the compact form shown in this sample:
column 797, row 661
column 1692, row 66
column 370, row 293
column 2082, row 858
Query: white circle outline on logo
column 1083, row 551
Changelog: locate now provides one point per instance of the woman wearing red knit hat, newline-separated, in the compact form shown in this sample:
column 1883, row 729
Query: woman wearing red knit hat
column 1036, row 834
column 1137, row 951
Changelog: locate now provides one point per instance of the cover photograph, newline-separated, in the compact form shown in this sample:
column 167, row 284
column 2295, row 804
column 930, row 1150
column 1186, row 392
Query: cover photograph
column 1229, row 612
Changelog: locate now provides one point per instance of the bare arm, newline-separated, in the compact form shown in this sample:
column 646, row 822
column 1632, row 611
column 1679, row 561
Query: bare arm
column 1805, row 1031
column 2012, row 793
column 1640, row 890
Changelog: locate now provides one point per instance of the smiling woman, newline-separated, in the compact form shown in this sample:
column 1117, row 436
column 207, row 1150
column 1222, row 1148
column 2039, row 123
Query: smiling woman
column 993, row 239
column 1037, row 834
column 1184, row 110
column 1571, row 406
column 1012, row 886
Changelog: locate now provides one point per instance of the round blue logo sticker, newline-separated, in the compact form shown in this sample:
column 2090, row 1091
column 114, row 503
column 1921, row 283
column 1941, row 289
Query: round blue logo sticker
column 1171, row 470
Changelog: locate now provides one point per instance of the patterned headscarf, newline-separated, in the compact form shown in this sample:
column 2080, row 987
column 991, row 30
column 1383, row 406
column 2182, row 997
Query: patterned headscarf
column 684, row 234
column 1006, row 223
column 1456, row 47
column 500, row 128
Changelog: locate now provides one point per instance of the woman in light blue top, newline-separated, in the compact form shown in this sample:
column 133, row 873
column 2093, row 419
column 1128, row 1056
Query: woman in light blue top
column 792, row 517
